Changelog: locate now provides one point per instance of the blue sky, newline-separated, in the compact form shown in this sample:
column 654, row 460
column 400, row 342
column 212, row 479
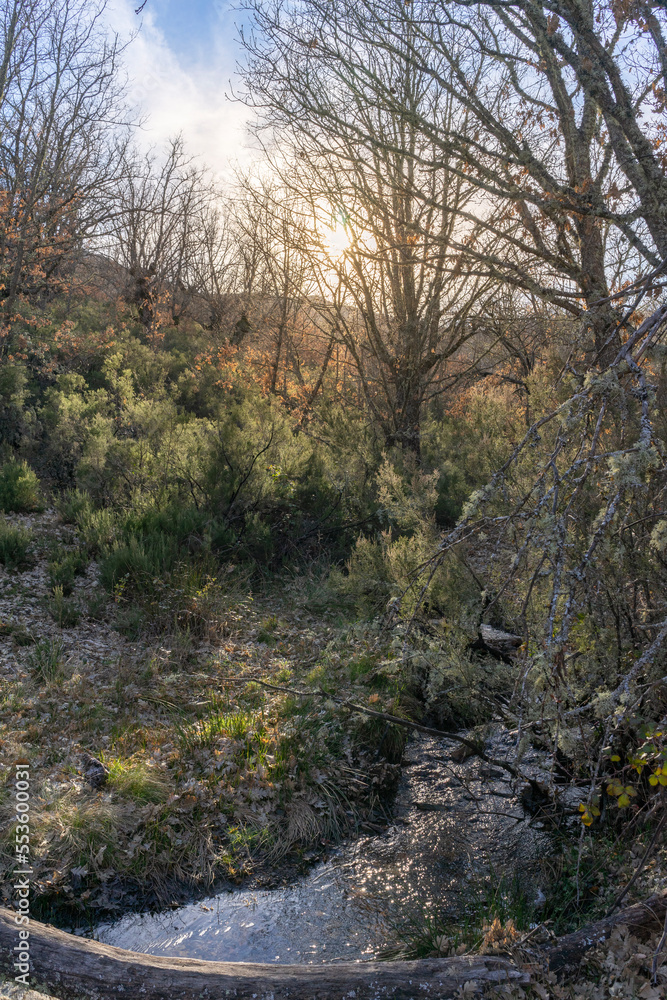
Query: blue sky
column 195, row 29
column 179, row 66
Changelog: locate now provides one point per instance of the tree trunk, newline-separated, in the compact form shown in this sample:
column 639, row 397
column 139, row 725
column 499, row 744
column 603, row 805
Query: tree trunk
column 79, row 967
column 569, row 950
column 407, row 405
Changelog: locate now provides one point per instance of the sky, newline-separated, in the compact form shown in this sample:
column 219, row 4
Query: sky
column 181, row 68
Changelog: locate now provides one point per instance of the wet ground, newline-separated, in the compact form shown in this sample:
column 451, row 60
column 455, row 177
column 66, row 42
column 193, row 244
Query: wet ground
column 453, row 823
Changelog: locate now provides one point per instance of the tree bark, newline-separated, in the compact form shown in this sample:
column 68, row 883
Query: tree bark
column 78, row 967
column 75, row 966
column 569, row 950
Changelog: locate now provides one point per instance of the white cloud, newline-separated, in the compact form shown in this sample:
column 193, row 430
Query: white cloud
column 176, row 97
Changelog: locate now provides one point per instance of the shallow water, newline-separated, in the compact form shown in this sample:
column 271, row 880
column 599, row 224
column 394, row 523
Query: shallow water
column 442, row 837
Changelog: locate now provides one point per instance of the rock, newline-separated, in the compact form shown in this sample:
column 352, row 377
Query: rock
column 499, row 642
column 535, row 796
column 540, row 900
column 94, row 771
column 461, row 753
column 490, row 772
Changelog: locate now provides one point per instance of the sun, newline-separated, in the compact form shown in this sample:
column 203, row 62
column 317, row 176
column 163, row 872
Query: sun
column 336, row 241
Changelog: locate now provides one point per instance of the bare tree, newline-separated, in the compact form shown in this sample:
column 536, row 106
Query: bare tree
column 218, row 269
column 278, row 284
column 394, row 292
column 159, row 232
column 567, row 152
column 62, row 132
column 557, row 219
column 618, row 53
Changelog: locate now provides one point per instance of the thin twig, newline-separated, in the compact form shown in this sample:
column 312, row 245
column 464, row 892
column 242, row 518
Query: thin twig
column 533, row 932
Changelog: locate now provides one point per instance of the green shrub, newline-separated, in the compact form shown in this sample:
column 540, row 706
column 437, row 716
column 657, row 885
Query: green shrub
column 76, row 426
column 15, row 546
column 19, row 488
column 155, row 545
column 99, row 528
column 188, row 526
column 280, row 493
column 73, row 505
column 96, row 605
column 63, row 570
column 387, row 565
column 16, row 419
column 65, row 613
column 138, row 563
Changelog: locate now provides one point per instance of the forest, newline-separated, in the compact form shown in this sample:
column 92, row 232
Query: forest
column 363, row 445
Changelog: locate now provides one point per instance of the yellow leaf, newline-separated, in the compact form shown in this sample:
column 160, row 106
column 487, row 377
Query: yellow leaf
column 623, row 801
column 653, row 780
column 615, row 757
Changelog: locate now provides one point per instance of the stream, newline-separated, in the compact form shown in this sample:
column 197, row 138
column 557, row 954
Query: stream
column 444, row 835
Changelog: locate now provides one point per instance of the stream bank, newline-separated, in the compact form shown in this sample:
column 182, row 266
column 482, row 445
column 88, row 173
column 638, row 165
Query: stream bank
column 445, row 839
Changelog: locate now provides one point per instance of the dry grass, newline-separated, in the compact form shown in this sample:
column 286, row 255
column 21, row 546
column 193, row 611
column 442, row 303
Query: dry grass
column 207, row 777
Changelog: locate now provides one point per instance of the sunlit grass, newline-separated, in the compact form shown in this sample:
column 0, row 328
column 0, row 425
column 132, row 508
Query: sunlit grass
column 205, row 733
column 134, row 779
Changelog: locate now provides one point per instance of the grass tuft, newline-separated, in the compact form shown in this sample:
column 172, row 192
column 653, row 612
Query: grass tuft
column 46, row 661
column 65, row 612
column 63, row 570
column 134, row 779
column 72, row 505
column 236, row 725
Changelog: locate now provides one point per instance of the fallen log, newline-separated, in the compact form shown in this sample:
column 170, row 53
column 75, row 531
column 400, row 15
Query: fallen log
column 78, row 967
column 75, row 966
column 568, row 951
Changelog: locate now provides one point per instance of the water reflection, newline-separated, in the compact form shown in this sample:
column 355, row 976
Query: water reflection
column 316, row 920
